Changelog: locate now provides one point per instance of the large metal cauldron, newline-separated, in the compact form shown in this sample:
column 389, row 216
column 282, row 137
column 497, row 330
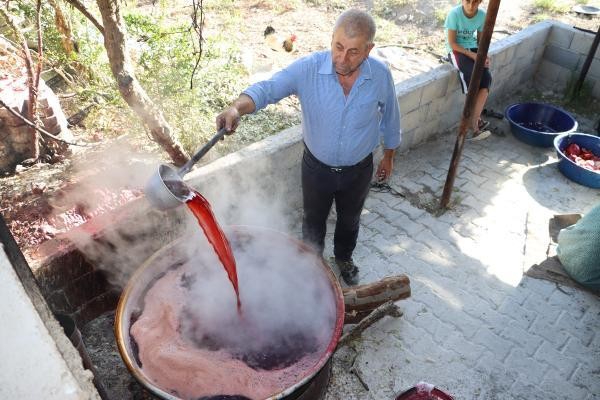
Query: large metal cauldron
column 313, row 381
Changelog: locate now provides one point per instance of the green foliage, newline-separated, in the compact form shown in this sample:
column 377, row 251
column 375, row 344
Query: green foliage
column 265, row 123
column 553, row 6
column 388, row 8
column 165, row 60
column 539, row 18
column 331, row 5
column 386, row 31
column 440, row 15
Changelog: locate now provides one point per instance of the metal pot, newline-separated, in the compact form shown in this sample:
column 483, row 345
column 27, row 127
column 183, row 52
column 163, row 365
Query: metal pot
column 132, row 299
column 165, row 189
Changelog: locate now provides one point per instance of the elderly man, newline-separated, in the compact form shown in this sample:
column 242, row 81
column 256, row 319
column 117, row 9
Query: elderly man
column 348, row 104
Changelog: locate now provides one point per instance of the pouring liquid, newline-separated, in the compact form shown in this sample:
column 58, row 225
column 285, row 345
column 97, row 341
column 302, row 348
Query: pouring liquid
column 201, row 209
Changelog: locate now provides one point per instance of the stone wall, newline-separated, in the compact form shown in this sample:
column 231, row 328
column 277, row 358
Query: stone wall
column 564, row 55
column 16, row 138
column 432, row 103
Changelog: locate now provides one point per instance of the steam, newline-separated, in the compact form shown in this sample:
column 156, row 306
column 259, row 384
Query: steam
column 287, row 301
column 121, row 233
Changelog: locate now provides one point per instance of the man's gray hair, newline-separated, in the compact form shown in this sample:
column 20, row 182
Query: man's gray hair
column 356, row 23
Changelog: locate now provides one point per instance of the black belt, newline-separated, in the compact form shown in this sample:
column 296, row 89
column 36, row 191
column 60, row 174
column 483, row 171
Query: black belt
column 368, row 159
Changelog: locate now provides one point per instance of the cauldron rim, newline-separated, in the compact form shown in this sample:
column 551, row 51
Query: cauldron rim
column 120, row 313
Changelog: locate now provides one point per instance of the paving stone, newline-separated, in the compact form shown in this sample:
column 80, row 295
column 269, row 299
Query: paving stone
column 556, row 382
column 383, row 227
column 518, row 360
column 407, row 225
column 564, row 364
column 586, row 376
column 496, row 378
column 494, row 343
column 546, row 327
column 524, row 389
column 528, row 342
column 468, row 350
column 523, row 317
column 368, row 216
column 413, row 212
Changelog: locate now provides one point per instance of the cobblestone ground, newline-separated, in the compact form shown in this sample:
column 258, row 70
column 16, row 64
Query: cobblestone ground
column 475, row 325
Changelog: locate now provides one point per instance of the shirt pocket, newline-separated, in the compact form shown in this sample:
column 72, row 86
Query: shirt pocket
column 365, row 112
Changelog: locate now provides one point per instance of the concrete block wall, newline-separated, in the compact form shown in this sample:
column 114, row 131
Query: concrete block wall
column 564, row 55
column 432, row 103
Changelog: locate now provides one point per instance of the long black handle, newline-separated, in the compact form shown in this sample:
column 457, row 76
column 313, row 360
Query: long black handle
column 196, row 157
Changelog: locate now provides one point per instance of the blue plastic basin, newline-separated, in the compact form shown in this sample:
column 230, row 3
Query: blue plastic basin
column 569, row 168
column 537, row 124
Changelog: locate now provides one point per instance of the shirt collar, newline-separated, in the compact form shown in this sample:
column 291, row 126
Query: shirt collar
column 327, row 67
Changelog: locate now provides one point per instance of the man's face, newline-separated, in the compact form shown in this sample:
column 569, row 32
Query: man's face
column 470, row 7
column 348, row 53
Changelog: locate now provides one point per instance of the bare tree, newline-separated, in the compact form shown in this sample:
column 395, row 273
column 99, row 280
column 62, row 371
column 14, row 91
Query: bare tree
column 113, row 29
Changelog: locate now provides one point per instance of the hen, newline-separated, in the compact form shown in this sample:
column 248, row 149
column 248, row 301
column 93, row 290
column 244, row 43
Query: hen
column 278, row 43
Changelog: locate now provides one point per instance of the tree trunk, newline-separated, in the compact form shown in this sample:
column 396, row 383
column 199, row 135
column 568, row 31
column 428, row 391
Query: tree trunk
column 130, row 88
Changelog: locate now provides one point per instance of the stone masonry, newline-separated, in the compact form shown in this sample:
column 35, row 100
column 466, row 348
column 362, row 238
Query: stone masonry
column 16, row 138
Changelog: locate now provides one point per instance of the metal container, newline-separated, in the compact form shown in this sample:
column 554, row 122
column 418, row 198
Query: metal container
column 568, row 167
column 537, row 124
column 131, row 305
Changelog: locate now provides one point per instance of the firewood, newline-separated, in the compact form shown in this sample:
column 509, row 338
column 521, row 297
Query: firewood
column 360, row 300
column 356, row 331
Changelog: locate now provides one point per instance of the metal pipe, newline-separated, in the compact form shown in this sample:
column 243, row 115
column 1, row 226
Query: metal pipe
column 587, row 63
column 482, row 50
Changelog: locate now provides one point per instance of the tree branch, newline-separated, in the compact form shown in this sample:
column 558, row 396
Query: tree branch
column 78, row 5
column 63, row 26
column 388, row 308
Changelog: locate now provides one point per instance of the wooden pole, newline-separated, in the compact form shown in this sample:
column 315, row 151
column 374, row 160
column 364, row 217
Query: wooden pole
column 587, row 63
column 482, row 50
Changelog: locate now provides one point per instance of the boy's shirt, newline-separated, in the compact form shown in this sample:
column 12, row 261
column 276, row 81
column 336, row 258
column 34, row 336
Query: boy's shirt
column 466, row 28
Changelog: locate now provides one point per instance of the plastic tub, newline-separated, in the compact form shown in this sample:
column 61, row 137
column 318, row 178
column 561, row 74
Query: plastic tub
column 569, row 168
column 424, row 391
column 537, row 124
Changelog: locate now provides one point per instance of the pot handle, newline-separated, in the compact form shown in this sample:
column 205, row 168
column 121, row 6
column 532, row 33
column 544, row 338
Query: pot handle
column 196, row 157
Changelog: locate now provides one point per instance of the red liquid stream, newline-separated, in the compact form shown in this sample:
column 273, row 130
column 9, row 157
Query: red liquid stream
column 200, row 207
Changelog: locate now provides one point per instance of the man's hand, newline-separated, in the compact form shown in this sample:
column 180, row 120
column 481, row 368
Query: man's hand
column 384, row 170
column 230, row 117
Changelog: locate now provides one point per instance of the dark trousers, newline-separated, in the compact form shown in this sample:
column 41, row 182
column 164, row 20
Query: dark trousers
column 465, row 67
column 321, row 185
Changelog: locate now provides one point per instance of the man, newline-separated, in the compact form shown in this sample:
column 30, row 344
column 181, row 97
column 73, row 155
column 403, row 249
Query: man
column 348, row 103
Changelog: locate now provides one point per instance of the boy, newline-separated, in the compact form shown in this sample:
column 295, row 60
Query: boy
column 464, row 24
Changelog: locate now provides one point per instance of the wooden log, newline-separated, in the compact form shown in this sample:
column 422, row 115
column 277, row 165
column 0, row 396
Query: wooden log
column 360, row 300
column 388, row 308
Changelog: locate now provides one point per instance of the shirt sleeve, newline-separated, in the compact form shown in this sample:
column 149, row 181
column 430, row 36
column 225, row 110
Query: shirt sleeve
column 390, row 119
column 282, row 84
column 451, row 22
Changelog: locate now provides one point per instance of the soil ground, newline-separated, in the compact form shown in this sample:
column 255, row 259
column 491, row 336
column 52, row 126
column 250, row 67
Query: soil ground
column 28, row 198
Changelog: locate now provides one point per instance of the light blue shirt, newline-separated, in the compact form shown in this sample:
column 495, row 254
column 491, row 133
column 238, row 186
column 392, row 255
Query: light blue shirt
column 466, row 28
column 338, row 130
